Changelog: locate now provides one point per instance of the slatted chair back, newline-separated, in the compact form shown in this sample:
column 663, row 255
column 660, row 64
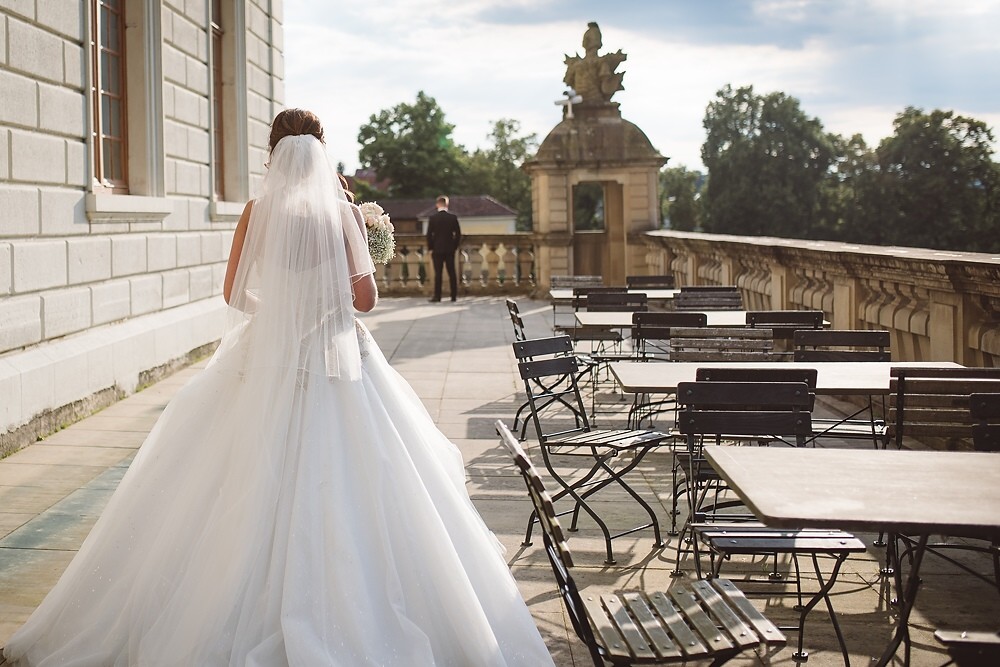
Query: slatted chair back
column 515, row 320
column 933, row 405
column 651, row 331
column 744, row 409
column 553, row 382
column 571, row 282
column 809, row 376
column 580, row 294
column 708, row 297
column 721, row 344
column 985, row 412
column 542, row 347
column 617, row 301
column 650, row 282
column 841, row 345
column 784, row 323
column 712, row 620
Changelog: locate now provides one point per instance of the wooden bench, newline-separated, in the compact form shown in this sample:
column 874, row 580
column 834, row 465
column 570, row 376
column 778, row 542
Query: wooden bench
column 706, row 620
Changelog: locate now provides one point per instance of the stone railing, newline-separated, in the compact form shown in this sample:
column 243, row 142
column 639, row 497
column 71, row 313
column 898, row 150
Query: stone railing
column 487, row 264
column 937, row 305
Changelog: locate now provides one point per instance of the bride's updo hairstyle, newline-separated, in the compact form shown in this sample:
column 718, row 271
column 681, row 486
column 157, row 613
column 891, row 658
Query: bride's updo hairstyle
column 293, row 122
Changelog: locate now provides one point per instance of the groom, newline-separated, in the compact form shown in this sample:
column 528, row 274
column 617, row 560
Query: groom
column 443, row 236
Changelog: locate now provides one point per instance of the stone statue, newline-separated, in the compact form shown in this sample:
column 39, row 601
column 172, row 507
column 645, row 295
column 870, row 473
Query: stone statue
column 593, row 77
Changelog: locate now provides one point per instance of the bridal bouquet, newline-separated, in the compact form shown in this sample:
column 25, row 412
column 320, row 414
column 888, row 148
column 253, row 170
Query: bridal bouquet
column 381, row 243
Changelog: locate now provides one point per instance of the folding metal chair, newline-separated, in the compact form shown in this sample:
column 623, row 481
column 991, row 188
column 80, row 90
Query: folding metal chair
column 728, row 411
column 936, row 404
column 544, row 348
column 564, row 431
column 515, row 320
column 761, row 411
column 651, row 332
column 704, row 621
column 848, row 346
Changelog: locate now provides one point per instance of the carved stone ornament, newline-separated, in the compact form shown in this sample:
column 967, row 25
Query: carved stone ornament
column 593, row 77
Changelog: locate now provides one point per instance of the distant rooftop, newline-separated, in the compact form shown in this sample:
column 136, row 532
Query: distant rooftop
column 470, row 206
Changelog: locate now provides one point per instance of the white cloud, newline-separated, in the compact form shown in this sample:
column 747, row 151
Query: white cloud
column 852, row 64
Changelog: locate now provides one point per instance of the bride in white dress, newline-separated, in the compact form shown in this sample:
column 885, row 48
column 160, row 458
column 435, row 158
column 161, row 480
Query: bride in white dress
column 294, row 504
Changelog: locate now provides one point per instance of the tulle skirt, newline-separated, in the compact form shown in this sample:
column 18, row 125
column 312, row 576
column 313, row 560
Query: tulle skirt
column 285, row 518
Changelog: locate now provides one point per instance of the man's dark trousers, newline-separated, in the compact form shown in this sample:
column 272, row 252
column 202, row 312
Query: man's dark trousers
column 446, row 260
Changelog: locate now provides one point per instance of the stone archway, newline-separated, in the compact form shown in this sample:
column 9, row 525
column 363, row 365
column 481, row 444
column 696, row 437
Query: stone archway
column 593, row 144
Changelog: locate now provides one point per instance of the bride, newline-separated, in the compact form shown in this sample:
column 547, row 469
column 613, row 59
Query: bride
column 294, row 504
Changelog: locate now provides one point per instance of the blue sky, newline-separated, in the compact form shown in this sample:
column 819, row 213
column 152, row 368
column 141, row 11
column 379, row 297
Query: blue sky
column 853, row 64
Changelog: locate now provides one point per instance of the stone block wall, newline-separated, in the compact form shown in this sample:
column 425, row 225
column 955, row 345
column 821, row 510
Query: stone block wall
column 99, row 288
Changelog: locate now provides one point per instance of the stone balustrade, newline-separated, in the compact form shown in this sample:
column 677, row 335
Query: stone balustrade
column 486, row 263
column 937, row 305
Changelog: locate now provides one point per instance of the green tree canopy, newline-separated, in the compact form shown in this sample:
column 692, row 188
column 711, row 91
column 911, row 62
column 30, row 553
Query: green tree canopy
column 680, row 190
column 767, row 162
column 496, row 169
column 411, row 146
column 932, row 184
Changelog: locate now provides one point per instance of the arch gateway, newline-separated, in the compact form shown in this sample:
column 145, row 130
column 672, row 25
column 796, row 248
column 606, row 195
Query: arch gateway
column 594, row 179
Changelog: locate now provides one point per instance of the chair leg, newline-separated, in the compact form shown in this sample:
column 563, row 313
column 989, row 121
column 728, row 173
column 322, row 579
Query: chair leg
column 823, row 594
column 581, row 503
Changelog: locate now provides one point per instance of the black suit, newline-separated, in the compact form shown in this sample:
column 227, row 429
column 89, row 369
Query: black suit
column 443, row 237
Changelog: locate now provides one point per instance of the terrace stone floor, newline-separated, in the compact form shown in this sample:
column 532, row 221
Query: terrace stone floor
column 458, row 359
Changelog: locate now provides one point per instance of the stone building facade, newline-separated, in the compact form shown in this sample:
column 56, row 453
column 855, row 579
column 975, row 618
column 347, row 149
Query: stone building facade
column 132, row 132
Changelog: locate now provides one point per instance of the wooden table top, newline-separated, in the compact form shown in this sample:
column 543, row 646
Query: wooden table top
column 834, row 378
column 919, row 492
column 617, row 318
column 651, row 294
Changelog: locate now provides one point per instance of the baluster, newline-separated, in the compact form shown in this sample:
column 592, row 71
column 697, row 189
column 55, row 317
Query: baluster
column 501, row 263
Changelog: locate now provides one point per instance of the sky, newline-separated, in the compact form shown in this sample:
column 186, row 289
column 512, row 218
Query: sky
column 853, row 64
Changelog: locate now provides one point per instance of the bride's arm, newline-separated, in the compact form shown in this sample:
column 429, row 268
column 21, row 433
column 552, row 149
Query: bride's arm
column 239, row 236
column 365, row 293
column 364, row 289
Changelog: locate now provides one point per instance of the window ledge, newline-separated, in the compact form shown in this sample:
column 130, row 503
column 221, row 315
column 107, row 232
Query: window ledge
column 226, row 211
column 103, row 208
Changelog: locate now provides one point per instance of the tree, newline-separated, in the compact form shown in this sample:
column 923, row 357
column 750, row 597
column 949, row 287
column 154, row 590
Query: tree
column 680, row 191
column 496, row 170
column 411, row 146
column 847, row 194
column 932, row 184
column 767, row 164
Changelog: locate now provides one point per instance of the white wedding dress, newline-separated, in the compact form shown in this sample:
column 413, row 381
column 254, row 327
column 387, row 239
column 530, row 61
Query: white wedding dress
column 301, row 513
